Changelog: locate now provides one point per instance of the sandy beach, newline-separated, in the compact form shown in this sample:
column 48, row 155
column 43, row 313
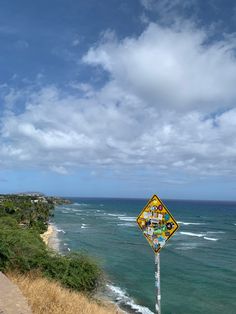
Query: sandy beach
column 50, row 237
column 46, row 235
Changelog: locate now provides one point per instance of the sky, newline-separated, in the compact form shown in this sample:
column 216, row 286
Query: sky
column 118, row 98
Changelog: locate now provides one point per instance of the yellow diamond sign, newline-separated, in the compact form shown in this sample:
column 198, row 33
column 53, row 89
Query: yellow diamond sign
column 156, row 223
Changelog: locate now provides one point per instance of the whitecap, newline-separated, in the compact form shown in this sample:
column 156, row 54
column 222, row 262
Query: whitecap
column 210, row 239
column 84, row 226
column 127, row 218
column 191, row 234
column 184, row 248
column 128, row 224
column 61, row 230
column 212, row 232
column 190, row 223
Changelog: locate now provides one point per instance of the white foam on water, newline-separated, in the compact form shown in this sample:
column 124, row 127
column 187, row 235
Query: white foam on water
column 199, row 235
column 127, row 218
column 121, row 296
column 81, row 204
column 84, row 226
column 191, row 234
column 184, row 248
column 118, row 291
column 113, row 215
column 190, row 223
column 210, row 239
column 61, row 230
column 64, row 207
column 212, row 232
column 76, row 210
column 127, row 224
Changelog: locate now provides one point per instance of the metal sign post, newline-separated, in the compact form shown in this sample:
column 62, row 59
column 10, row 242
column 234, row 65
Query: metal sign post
column 158, row 283
column 158, row 226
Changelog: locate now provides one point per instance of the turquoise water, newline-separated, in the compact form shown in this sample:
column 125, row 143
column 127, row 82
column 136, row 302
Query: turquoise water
column 198, row 265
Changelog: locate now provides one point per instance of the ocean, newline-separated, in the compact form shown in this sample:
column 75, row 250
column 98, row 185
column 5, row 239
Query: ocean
column 198, row 265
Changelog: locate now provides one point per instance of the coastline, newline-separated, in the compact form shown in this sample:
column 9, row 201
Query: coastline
column 50, row 237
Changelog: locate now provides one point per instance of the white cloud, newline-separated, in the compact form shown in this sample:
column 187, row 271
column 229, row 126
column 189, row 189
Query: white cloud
column 59, row 169
column 171, row 68
column 155, row 112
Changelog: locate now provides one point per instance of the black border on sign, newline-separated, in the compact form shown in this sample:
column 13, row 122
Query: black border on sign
column 170, row 236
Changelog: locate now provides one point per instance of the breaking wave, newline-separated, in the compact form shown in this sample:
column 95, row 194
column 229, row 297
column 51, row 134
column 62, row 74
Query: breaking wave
column 123, row 300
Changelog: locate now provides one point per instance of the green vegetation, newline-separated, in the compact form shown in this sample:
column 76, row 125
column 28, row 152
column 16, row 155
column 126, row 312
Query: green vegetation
column 31, row 212
column 22, row 219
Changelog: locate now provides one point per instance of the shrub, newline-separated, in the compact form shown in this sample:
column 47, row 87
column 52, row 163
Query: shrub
column 75, row 271
column 20, row 249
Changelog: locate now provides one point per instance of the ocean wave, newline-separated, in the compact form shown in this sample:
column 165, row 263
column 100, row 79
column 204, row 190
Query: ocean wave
column 113, row 215
column 191, row 234
column 199, row 235
column 125, row 218
column 84, row 226
column 212, row 232
column 61, row 230
column 190, row 223
column 122, row 298
column 127, row 224
column 210, row 239
column 184, row 248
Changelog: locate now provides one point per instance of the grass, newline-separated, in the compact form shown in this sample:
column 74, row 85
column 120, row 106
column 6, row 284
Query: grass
column 46, row 296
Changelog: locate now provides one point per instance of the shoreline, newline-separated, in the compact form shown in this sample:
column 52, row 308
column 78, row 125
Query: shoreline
column 47, row 234
column 50, row 238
